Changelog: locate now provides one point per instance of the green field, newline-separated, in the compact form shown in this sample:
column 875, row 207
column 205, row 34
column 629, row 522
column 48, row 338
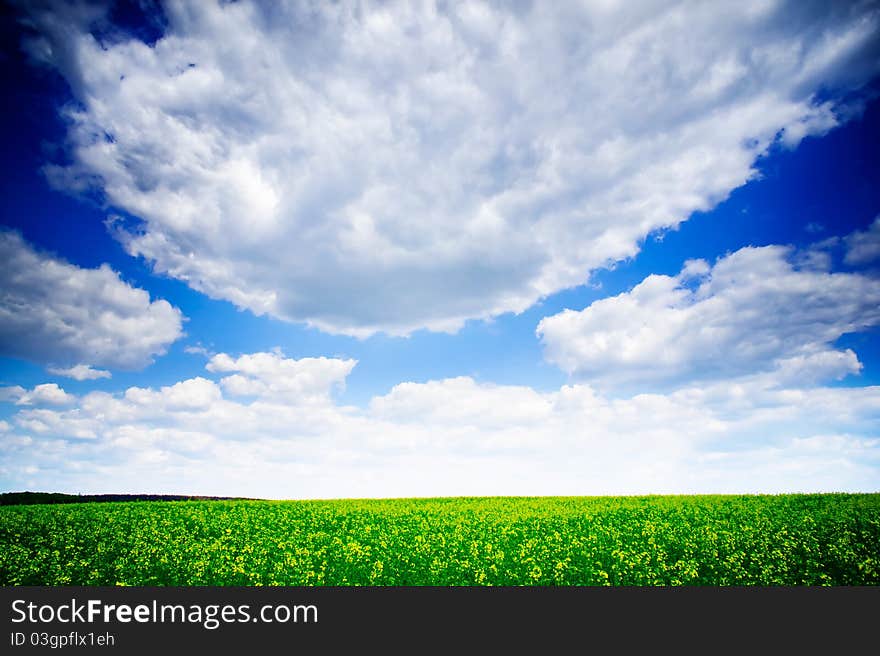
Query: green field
column 829, row 539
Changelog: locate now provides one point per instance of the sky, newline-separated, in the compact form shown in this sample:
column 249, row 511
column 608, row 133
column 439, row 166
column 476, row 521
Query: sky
column 315, row 250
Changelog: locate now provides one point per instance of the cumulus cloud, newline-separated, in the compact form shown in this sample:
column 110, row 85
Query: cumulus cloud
column 863, row 246
column 80, row 372
column 273, row 375
column 187, row 395
column 45, row 394
column 52, row 311
column 448, row 437
column 753, row 312
column 11, row 393
column 386, row 167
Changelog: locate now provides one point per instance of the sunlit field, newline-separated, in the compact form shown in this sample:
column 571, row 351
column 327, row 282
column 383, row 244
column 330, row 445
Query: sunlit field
column 830, row 539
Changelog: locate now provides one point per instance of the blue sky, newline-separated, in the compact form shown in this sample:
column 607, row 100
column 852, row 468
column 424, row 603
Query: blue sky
column 459, row 250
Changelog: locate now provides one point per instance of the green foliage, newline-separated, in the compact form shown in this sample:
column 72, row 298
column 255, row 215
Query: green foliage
column 828, row 539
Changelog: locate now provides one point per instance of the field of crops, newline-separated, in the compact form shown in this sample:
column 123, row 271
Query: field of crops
column 829, row 539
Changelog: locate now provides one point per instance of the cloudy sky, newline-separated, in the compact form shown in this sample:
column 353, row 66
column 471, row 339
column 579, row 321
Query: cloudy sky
column 313, row 249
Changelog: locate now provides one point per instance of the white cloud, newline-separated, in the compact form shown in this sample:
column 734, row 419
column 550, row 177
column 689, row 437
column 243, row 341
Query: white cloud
column 753, row 312
column 462, row 400
column 863, row 247
column 12, row 393
column 53, row 311
column 54, row 425
column 191, row 394
column 451, row 437
column 389, row 167
column 45, row 394
column 273, row 375
column 197, row 349
column 80, row 372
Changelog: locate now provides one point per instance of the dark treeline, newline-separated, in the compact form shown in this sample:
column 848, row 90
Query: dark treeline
column 27, row 498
